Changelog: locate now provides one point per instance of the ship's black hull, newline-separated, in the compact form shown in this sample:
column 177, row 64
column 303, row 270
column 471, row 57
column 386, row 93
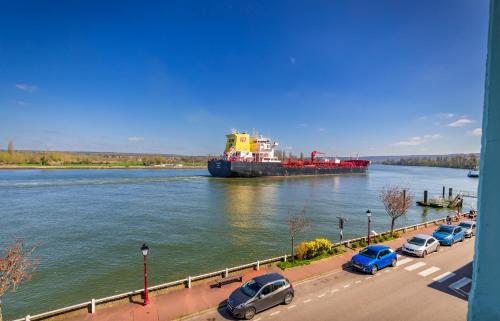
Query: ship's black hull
column 223, row 168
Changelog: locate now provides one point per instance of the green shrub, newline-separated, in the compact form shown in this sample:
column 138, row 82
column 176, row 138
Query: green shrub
column 396, row 234
column 363, row 243
column 354, row 245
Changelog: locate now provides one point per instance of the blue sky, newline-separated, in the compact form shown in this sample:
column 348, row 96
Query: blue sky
column 368, row 77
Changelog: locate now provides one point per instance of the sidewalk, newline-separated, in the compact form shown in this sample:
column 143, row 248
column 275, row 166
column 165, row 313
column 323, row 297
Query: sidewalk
column 184, row 302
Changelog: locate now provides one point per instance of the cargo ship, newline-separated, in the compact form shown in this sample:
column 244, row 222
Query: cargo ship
column 253, row 156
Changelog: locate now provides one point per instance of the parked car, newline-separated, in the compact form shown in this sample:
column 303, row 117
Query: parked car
column 420, row 245
column 469, row 228
column 260, row 293
column 374, row 258
column 449, row 234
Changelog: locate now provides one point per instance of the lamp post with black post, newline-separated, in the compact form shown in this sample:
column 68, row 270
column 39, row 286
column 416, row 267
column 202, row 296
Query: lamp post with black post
column 369, row 215
column 145, row 250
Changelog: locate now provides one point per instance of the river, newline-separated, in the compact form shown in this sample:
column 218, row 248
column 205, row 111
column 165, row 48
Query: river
column 91, row 223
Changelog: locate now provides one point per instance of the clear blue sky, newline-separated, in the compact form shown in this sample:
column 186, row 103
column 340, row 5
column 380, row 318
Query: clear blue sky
column 374, row 77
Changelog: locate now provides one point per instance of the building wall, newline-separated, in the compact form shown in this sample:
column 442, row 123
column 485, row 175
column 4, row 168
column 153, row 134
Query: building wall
column 484, row 303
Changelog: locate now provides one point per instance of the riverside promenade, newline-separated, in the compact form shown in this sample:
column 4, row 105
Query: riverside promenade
column 178, row 304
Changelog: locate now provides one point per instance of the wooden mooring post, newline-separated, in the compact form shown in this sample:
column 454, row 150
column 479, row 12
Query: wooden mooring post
column 444, row 189
column 425, row 197
column 450, row 192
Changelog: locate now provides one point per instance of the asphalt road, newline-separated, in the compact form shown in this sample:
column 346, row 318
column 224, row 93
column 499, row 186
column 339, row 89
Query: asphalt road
column 434, row 288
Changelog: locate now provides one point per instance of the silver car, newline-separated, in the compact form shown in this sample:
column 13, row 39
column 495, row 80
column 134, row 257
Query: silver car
column 469, row 228
column 420, row 245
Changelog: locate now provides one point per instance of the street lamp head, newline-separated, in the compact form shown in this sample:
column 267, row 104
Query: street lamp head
column 144, row 249
column 368, row 213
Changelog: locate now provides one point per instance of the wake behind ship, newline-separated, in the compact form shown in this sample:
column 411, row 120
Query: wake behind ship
column 253, row 156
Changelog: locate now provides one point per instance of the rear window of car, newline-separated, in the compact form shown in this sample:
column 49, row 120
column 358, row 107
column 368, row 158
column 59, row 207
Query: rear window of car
column 466, row 225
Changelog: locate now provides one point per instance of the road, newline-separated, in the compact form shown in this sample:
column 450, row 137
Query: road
column 434, row 288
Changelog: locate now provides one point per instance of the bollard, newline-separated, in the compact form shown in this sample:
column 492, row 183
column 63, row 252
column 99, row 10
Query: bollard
column 450, row 192
column 189, row 282
column 444, row 188
column 258, row 265
column 28, row 318
column 285, row 257
column 92, row 306
column 426, row 224
column 226, row 273
column 425, row 197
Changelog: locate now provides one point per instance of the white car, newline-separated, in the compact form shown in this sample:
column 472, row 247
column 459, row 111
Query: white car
column 420, row 245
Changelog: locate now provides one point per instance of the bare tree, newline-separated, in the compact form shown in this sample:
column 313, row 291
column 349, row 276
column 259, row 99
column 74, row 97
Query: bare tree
column 297, row 224
column 16, row 266
column 10, row 148
column 397, row 200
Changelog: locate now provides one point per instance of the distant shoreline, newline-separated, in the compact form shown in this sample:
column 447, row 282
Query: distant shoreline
column 17, row 167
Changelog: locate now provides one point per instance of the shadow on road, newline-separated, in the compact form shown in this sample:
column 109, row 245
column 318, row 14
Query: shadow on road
column 461, row 292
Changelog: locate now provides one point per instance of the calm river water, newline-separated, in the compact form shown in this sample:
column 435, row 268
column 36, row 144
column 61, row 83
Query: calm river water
column 91, row 223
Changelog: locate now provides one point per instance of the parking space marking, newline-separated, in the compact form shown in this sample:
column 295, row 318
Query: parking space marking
column 292, row 306
column 399, row 256
column 334, row 290
column 387, row 271
column 274, row 313
column 258, row 319
column 368, row 277
column 460, row 283
column 404, row 261
column 346, row 286
column 321, row 295
column 429, row 271
column 443, row 277
column 414, row 266
column 357, row 282
column 308, row 300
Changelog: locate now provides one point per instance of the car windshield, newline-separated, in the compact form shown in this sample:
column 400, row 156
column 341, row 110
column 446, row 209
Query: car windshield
column 445, row 229
column 466, row 225
column 251, row 288
column 416, row 241
column 369, row 253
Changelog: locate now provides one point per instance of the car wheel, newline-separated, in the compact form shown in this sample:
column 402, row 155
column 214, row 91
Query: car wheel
column 249, row 313
column 374, row 270
column 394, row 262
column 288, row 298
column 424, row 253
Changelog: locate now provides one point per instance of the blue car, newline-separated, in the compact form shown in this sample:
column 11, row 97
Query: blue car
column 449, row 234
column 373, row 258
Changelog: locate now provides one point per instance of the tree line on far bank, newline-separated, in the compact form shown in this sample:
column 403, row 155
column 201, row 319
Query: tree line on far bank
column 455, row 161
column 49, row 158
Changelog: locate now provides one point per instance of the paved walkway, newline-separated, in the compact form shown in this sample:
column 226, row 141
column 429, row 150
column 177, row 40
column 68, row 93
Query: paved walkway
column 184, row 302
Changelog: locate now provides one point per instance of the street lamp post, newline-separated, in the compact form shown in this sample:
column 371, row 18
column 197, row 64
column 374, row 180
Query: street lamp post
column 145, row 250
column 369, row 215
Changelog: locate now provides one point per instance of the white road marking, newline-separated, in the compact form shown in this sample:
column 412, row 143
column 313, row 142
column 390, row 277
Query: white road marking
column 368, row 277
column 321, row 295
column 334, row 290
column 387, row 271
column 443, row 277
column 308, row 300
column 292, row 306
column 429, row 271
column 460, row 283
column 346, row 286
column 399, row 256
column 414, row 266
column 357, row 282
column 274, row 313
column 404, row 261
column 257, row 319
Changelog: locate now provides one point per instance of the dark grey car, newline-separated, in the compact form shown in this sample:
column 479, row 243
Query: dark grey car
column 260, row 293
